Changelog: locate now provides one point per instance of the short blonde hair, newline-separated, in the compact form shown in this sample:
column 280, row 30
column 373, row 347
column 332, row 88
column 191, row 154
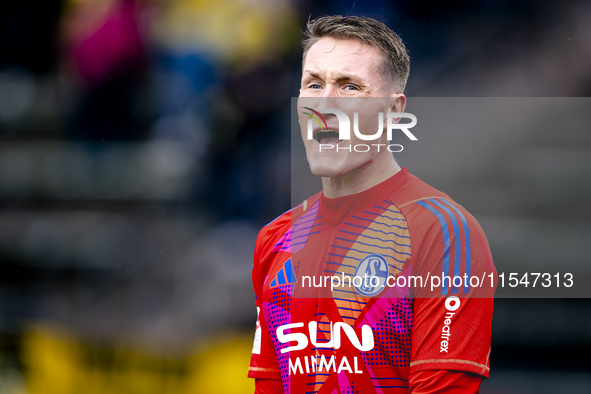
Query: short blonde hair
column 396, row 62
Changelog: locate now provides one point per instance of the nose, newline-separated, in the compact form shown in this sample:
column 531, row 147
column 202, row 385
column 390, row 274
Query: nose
column 328, row 98
column 330, row 91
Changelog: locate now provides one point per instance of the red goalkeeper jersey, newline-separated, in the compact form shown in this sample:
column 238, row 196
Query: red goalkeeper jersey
column 414, row 291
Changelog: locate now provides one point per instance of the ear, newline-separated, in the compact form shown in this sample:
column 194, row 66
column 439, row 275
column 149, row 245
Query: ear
column 398, row 102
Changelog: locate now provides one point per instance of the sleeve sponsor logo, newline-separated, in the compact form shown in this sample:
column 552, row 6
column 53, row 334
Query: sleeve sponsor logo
column 452, row 303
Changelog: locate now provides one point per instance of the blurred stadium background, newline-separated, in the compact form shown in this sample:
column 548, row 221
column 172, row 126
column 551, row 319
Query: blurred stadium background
column 144, row 143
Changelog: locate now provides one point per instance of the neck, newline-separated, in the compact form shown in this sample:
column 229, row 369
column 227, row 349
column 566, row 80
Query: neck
column 361, row 178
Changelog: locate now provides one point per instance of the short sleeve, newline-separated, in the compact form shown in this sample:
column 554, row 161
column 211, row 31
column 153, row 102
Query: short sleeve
column 449, row 382
column 452, row 320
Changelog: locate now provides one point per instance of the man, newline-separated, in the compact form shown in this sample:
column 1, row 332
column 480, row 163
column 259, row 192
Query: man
column 373, row 220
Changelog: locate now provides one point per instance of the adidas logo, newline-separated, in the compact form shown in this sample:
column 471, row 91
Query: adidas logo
column 285, row 276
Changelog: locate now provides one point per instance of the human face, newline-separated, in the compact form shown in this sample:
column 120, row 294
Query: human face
column 345, row 75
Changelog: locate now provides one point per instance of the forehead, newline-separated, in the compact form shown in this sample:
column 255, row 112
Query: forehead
column 331, row 56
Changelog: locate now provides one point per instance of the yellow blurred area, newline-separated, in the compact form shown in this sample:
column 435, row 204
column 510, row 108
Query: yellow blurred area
column 237, row 31
column 59, row 363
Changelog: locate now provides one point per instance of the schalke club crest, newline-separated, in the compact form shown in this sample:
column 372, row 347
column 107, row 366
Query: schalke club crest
column 371, row 275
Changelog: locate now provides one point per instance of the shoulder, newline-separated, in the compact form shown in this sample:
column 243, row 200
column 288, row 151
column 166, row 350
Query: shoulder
column 273, row 231
column 425, row 206
column 443, row 218
column 273, row 245
column 413, row 191
column 435, row 219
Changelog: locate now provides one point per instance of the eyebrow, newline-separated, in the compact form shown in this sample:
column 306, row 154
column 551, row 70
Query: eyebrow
column 339, row 77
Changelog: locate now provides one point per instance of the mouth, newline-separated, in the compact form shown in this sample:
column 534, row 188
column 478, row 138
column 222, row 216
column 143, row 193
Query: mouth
column 328, row 137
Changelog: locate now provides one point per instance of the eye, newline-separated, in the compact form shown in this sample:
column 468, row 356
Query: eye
column 351, row 87
column 314, row 86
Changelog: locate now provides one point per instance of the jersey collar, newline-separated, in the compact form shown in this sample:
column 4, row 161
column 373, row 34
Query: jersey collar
column 334, row 210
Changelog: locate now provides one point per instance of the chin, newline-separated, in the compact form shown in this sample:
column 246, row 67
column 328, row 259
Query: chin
column 323, row 171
